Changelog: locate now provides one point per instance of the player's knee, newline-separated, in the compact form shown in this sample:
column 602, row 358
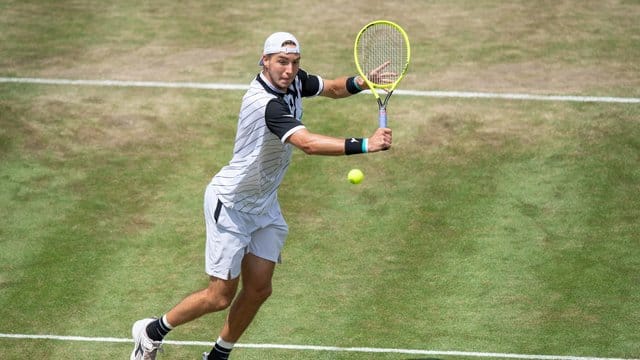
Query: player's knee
column 265, row 293
column 260, row 294
column 216, row 301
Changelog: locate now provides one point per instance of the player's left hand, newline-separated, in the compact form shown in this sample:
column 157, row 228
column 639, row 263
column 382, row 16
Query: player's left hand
column 381, row 77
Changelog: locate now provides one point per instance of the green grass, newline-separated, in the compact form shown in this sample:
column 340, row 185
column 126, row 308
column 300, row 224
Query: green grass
column 491, row 226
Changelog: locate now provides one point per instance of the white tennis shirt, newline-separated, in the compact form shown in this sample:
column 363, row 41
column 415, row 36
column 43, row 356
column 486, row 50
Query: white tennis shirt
column 261, row 155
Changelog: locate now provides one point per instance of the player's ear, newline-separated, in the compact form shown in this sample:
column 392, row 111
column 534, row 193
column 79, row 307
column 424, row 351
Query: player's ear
column 266, row 58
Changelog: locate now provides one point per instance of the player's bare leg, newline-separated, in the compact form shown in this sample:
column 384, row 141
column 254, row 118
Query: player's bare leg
column 148, row 333
column 217, row 296
column 256, row 289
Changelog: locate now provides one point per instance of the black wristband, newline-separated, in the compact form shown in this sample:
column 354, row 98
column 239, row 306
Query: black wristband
column 352, row 86
column 353, row 146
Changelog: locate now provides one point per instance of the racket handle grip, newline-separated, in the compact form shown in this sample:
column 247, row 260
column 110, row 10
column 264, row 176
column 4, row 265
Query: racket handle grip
column 382, row 118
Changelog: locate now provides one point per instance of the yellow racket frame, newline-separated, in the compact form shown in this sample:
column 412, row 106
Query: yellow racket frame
column 374, row 86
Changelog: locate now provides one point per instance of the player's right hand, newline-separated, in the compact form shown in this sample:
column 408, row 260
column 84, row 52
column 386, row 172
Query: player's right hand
column 380, row 140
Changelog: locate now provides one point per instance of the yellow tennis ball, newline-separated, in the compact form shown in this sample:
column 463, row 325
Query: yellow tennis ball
column 355, row 176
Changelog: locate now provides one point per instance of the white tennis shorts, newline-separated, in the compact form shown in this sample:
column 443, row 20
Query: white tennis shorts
column 231, row 234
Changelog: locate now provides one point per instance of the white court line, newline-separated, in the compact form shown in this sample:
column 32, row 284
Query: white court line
column 121, row 83
column 217, row 86
column 317, row 348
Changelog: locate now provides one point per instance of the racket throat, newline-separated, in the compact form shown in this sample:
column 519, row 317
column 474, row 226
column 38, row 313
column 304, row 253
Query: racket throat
column 382, row 110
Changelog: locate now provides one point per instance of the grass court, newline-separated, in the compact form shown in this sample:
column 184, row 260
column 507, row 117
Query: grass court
column 493, row 226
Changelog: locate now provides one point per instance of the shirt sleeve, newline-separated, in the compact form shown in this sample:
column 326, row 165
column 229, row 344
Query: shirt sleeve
column 280, row 121
column 312, row 85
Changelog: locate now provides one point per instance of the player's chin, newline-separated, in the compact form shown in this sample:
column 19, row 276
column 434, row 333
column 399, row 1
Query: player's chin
column 284, row 84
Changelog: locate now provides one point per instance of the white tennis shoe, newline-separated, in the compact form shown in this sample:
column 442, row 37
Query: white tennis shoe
column 144, row 348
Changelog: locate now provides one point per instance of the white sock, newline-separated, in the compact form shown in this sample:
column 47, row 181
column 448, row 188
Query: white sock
column 225, row 344
column 166, row 322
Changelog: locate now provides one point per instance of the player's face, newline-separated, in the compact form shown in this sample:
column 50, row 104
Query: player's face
column 281, row 69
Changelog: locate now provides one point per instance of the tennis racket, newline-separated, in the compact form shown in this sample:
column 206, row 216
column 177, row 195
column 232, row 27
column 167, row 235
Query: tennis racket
column 382, row 55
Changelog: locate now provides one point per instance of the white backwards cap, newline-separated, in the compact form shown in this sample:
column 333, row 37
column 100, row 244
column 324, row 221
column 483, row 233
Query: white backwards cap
column 273, row 45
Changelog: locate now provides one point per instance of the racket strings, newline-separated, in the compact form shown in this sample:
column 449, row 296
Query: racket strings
column 382, row 54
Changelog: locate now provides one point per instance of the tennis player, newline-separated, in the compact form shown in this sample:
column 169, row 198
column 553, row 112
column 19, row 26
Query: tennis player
column 245, row 229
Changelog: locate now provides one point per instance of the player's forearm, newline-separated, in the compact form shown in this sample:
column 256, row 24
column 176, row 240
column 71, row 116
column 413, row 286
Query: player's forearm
column 316, row 144
column 343, row 87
